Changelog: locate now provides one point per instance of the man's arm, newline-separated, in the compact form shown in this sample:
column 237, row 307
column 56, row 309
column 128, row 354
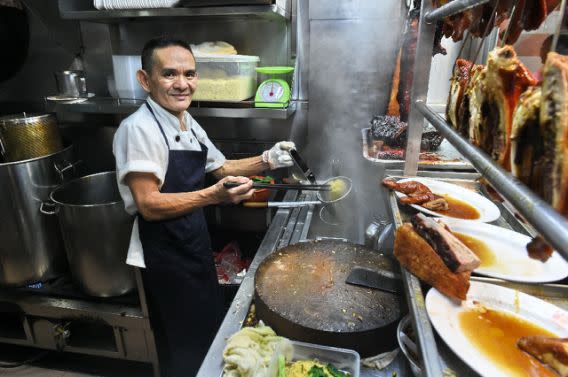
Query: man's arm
column 276, row 157
column 245, row 167
column 154, row 205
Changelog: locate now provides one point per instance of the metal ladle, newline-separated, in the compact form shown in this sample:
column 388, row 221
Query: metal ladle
column 325, row 195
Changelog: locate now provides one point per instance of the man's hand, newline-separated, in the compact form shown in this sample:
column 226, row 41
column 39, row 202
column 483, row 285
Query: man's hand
column 279, row 156
column 234, row 195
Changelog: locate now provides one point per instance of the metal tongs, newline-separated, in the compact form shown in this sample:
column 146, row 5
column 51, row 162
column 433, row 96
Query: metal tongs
column 281, row 186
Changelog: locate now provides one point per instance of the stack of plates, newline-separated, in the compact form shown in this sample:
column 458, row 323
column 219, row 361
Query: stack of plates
column 134, row 4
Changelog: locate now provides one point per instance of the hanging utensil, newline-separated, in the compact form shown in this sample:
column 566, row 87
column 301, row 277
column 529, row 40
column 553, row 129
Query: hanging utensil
column 300, row 164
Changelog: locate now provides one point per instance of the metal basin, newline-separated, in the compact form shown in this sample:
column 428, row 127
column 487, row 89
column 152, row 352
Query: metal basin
column 96, row 232
column 31, row 249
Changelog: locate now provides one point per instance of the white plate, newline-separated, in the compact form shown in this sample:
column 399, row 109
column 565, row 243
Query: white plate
column 512, row 261
column 444, row 314
column 488, row 211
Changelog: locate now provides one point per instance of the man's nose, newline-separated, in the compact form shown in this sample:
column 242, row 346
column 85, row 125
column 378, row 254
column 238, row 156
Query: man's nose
column 181, row 82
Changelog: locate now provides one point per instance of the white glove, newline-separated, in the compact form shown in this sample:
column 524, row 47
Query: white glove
column 279, row 156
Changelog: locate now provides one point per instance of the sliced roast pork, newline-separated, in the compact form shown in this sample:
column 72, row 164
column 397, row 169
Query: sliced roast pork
column 457, row 256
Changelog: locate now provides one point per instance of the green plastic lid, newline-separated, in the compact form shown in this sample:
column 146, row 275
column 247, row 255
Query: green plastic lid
column 274, row 70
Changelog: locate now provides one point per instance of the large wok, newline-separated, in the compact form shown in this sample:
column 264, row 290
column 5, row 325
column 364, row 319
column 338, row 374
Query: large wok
column 300, row 291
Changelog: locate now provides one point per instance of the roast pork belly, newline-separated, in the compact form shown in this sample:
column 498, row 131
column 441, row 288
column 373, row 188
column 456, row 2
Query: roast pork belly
column 458, row 82
column 554, row 128
column 550, row 351
column 457, row 256
column 418, row 257
column 527, row 146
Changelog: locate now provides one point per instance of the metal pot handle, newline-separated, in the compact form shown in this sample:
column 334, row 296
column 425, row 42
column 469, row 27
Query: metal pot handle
column 44, row 208
column 68, row 166
column 3, row 150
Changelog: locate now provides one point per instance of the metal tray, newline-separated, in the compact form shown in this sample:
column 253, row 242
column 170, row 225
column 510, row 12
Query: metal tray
column 433, row 351
column 445, row 158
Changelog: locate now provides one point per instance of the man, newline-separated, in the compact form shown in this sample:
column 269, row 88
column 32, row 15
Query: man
column 162, row 155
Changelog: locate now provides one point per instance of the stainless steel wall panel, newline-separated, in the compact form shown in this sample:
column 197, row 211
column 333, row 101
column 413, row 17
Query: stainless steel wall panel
column 97, row 57
column 354, row 9
column 350, row 74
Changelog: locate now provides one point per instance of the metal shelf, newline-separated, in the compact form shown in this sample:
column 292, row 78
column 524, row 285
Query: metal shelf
column 127, row 106
column 119, row 15
column 549, row 223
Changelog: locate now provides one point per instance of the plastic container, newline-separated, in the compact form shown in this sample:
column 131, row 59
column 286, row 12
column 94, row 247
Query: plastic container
column 226, row 77
column 343, row 359
column 125, row 83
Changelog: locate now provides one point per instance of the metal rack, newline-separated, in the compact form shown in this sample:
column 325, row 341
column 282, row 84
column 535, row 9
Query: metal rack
column 548, row 222
column 83, row 10
column 105, row 105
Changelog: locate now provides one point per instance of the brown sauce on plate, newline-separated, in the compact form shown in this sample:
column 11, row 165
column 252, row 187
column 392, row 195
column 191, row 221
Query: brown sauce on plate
column 479, row 248
column 495, row 334
column 459, row 209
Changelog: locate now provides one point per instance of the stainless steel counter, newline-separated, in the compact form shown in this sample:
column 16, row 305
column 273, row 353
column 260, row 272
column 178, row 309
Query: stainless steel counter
column 288, row 226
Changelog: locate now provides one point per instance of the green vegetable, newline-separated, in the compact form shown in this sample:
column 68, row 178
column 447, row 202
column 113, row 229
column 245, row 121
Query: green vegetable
column 266, row 179
column 331, row 369
column 316, row 372
column 281, row 366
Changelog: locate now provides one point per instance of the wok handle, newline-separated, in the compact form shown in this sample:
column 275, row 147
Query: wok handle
column 255, row 204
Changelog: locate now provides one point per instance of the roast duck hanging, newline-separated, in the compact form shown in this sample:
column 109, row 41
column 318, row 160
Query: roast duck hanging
column 502, row 109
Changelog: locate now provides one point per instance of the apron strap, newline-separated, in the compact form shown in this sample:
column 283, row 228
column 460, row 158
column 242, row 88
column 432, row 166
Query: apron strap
column 159, row 125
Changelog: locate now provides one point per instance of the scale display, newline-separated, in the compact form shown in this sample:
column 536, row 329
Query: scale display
column 273, row 92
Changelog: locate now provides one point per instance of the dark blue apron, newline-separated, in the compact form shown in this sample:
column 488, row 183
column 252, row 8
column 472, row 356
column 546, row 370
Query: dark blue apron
column 180, row 279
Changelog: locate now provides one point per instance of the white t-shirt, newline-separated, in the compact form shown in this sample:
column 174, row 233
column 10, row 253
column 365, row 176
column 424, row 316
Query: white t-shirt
column 139, row 146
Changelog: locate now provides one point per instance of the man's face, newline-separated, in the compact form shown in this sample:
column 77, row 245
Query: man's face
column 173, row 79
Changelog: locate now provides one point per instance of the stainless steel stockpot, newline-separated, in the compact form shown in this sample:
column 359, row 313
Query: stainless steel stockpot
column 96, row 233
column 31, row 249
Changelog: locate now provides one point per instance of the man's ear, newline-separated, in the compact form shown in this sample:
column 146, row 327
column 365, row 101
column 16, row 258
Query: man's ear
column 143, row 79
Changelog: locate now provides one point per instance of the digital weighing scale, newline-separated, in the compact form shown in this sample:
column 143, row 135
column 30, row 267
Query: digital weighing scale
column 273, row 92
